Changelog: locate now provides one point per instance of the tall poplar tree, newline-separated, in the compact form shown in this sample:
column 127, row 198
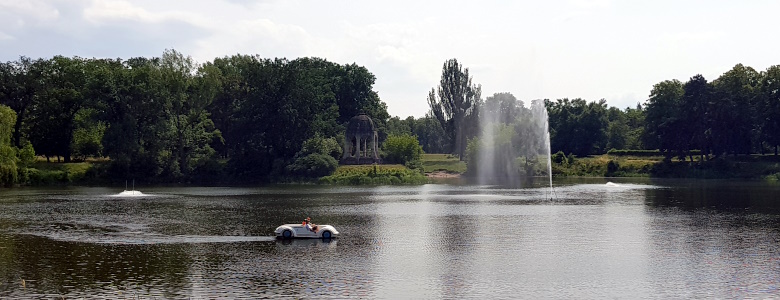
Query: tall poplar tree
column 454, row 101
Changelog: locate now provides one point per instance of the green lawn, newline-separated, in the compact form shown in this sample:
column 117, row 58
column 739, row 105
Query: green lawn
column 442, row 162
column 47, row 173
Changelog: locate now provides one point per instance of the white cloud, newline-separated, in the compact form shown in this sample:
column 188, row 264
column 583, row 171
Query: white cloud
column 540, row 49
column 36, row 9
column 258, row 36
column 106, row 11
column 402, row 44
column 590, row 3
column 5, row 36
column 690, row 36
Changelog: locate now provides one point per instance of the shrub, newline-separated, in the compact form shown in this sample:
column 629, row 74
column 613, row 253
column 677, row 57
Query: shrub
column 26, row 155
column 321, row 145
column 8, row 174
column 402, row 149
column 376, row 174
column 46, row 177
column 313, row 165
column 87, row 141
column 612, row 167
column 559, row 157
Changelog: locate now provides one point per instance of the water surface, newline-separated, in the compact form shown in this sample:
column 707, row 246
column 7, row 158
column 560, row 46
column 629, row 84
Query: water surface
column 587, row 239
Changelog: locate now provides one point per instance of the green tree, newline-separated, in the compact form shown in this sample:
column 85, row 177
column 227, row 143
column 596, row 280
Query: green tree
column 635, row 121
column 453, row 102
column 694, row 115
column 8, row 160
column 317, row 157
column 88, row 135
column 20, row 85
column 352, row 86
column 664, row 119
column 235, row 75
column 188, row 94
column 430, row 134
column 396, row 126
column 52, row 117
column 770, row 106
column 321, row 145
column 617, row 130
column 504, row 107
column 733, row 110
column 138, row 137
column 402, row 149
column 578, row 126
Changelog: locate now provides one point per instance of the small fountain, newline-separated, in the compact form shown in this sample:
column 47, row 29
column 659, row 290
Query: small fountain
column 514, row 141
column 130, row 193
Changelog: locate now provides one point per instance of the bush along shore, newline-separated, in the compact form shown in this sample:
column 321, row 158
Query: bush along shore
column 375, row 175
column 647, row 165
column 616, row 164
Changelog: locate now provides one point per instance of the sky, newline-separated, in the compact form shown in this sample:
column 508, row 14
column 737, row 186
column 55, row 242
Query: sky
column 590, row 49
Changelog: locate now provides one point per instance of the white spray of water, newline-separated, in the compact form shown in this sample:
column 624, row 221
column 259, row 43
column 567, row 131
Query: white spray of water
column 509, row 133
column 130, row 193
column 488, row 120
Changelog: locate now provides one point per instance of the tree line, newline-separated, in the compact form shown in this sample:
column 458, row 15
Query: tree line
column 173, row 119
column 245, row 117
column 737, row 113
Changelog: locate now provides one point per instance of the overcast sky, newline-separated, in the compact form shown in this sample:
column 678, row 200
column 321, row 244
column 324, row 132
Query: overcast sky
column 591, row 49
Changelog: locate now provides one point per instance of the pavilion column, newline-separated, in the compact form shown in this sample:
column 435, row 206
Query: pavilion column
column 365, row 148
column 374, row 147
column 347, row 147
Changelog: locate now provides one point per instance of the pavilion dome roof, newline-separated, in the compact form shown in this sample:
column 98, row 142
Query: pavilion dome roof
column 360, row 124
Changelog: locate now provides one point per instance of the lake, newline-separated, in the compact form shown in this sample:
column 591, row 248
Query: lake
column 586, row 238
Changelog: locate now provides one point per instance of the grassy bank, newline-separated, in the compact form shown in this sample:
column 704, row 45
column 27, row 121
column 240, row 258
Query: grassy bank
column 641, row 165
column 374, row 174
column 442, row 162
column 744, row 167
column 765, row 167
column 56, row 173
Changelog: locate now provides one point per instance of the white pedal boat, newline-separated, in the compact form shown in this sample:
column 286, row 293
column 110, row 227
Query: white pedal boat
column 289, row 231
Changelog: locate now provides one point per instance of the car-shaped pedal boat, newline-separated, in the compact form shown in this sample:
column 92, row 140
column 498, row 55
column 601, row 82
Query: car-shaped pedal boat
column 289, row 231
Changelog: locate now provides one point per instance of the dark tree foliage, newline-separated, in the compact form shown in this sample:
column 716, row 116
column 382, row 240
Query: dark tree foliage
column 733, row 111
column 735, row 114
column 396, row 126
column 431, row 135
column 694, row 111
column 168, row 118
column 20, row 83
column 769, row 107
column 578, row 126
column 635, row 122
column 504, row 106
column 454, row 103
column 664, row 119
column 282, row 103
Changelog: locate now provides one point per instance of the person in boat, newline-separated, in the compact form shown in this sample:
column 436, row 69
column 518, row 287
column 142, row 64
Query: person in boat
column 310, row 226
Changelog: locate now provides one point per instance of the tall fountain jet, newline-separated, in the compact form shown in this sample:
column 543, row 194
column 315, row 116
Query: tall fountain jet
column 543, row 124
column 514, row 142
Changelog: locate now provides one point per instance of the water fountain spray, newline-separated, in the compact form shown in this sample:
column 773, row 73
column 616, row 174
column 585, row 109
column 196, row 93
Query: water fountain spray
column 513, row 141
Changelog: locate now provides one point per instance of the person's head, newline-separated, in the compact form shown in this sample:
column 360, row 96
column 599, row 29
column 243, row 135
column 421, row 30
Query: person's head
column 308, row 219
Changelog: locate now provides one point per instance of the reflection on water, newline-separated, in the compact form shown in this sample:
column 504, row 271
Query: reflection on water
column 587, row 239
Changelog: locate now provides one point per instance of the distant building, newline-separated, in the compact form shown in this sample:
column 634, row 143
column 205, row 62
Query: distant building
column 361, row 142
